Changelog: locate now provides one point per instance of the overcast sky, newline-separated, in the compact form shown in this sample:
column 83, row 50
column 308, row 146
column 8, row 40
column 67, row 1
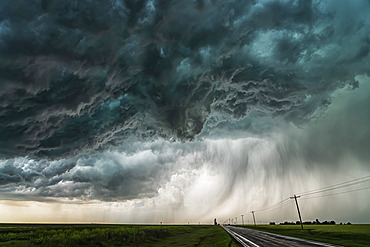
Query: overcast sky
column 134, row 111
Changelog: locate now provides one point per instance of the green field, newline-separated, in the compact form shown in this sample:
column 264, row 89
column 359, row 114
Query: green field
column 345, row 235
column 112, row 235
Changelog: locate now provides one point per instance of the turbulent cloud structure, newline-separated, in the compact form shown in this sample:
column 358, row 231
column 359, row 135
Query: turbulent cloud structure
column 129, row 100
column 82, row 75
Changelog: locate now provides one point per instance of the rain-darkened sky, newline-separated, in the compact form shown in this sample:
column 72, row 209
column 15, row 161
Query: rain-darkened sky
column 182, row 111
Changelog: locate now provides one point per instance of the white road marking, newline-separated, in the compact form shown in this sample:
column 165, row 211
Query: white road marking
column 241, row 237
column 247, row 240
column 296, row 239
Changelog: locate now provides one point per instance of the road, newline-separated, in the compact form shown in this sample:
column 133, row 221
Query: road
column 253, row 238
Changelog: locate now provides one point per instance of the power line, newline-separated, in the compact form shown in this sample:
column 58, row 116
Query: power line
column 343, row 192
column 337, row 186
column 271, row 206
column 350, row 181
column 274, row 208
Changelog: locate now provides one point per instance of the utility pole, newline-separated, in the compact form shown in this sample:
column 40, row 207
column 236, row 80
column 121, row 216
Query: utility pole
column 299, row 213
column 236, row 220
column 229, row 221
column 254, row 219
column 242, row 220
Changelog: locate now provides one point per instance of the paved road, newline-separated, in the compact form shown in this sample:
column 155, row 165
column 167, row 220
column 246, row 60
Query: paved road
column 253, row 238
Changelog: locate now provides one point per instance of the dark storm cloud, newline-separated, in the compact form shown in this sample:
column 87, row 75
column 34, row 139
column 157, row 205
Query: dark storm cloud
column 86, row 75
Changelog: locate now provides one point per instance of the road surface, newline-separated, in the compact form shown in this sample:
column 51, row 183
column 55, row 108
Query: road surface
column 253, row 238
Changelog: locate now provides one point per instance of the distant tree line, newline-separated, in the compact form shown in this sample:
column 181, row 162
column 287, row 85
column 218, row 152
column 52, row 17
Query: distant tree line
column 315, row 222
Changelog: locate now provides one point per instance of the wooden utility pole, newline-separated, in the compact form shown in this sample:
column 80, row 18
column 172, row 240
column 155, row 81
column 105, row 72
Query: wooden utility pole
column 254, row 219
column 299, row 213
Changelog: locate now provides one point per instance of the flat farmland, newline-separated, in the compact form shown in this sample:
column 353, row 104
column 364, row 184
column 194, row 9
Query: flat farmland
column 113, row 235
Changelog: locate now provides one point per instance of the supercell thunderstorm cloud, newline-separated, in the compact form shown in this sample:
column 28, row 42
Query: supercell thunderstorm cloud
column 178, row 111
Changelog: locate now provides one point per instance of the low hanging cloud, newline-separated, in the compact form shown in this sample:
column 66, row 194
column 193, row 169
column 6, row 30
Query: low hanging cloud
column 79, row 76
column 153, row 168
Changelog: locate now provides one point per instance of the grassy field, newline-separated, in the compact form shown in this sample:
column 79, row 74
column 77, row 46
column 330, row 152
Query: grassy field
column 112, row 235
column 345, row 235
